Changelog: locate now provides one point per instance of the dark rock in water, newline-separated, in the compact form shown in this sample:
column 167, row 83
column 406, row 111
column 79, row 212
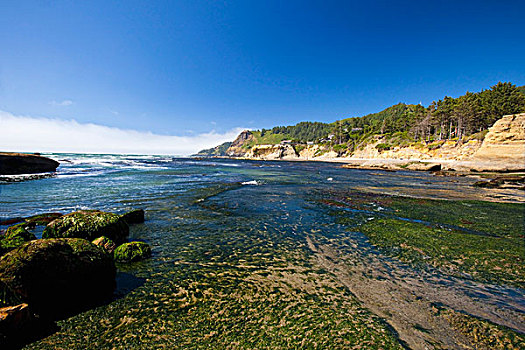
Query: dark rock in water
column 43, row 219
column 19, row 163
column 502, row 182
column 132, row 251
column 105, row 243
column 11, row 221
column 58, row 276
column 134, row 216
column 88, row 224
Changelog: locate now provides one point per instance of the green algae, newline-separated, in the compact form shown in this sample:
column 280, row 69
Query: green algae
column 486, row 258
column 88, row 225
column 481, row 240
column 242, row 284
column 14, row 237
column 105, row 243
column 132, row 251
column 481, row 333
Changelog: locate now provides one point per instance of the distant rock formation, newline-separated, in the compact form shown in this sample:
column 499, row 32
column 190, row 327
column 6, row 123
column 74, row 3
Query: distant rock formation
column 217, row 151
column 20, row 163
column 238, row 148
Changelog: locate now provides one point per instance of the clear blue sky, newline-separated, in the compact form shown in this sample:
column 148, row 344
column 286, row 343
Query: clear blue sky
column 183, row 67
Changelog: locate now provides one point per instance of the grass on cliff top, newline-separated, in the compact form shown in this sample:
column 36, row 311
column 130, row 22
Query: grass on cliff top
column 484, row 241
column 268, row 139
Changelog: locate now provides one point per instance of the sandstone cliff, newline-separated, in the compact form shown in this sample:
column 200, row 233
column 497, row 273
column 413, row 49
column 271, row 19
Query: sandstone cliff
column 505, row 141
column 272, row 152
column 238, row 147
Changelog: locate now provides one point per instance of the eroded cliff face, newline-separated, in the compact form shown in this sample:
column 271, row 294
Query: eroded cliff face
column 448, row 150
column 505, row 141
column 237, row 148
column 272, row 152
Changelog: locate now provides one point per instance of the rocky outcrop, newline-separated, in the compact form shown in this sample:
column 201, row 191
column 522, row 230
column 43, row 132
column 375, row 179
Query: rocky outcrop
column 88, row 224
column 272, row 152
column 132, row 251
column 238, row 147
column 134, row 216
column 20, row 163
column 504, row 143
column 58, row 276
column 14, row 237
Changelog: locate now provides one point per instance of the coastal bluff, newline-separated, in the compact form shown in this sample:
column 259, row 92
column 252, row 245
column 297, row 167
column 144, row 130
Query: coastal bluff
column 22, row 163
column 501, row 150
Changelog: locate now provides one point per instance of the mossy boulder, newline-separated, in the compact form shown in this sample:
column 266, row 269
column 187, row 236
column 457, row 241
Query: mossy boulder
column 88, row 224
column 105, row 243
column 134, row 217
column 132, row 251
column 20, row 230
column 14, row 237
column 58, row 276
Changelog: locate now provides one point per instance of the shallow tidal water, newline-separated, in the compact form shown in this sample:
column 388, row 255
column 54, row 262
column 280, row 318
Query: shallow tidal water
column 246, row 256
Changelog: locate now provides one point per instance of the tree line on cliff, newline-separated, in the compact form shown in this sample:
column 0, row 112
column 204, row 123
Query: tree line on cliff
column 444, row 119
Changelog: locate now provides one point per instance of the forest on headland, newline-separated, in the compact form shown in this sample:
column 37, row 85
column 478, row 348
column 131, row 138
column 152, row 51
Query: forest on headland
column 466, row 116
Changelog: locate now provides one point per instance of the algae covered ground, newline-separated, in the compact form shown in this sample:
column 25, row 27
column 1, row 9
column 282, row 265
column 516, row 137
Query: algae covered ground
column 474, row 239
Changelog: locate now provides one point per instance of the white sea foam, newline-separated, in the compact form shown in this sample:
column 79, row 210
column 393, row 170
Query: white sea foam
column 252, row 182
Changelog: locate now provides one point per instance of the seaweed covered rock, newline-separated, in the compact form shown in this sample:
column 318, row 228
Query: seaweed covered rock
column 14, row 237
column 134, row 217
column 58, row 276
column 20, row 230
column 132, row 251
column 88, row 224
column 105, row 243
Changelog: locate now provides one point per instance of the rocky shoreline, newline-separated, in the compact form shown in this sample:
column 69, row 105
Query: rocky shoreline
column 71, row 268
column 501, row 151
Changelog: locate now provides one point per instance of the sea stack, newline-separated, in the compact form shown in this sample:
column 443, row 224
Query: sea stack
column 21, row 163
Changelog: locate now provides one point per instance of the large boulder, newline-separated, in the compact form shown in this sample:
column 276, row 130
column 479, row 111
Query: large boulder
column 88, row 224
column 58, row 276
column 134, row 217
column 14, row 237
column 20, row 163
column 132, row 251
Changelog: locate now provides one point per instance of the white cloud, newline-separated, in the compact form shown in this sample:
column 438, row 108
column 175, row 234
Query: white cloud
column 30, row 134
column 64, row 103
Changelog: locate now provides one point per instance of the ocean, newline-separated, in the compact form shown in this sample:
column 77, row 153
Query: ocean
column 236, row 252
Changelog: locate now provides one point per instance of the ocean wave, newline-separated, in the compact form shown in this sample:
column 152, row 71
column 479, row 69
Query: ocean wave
column 252, row 182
